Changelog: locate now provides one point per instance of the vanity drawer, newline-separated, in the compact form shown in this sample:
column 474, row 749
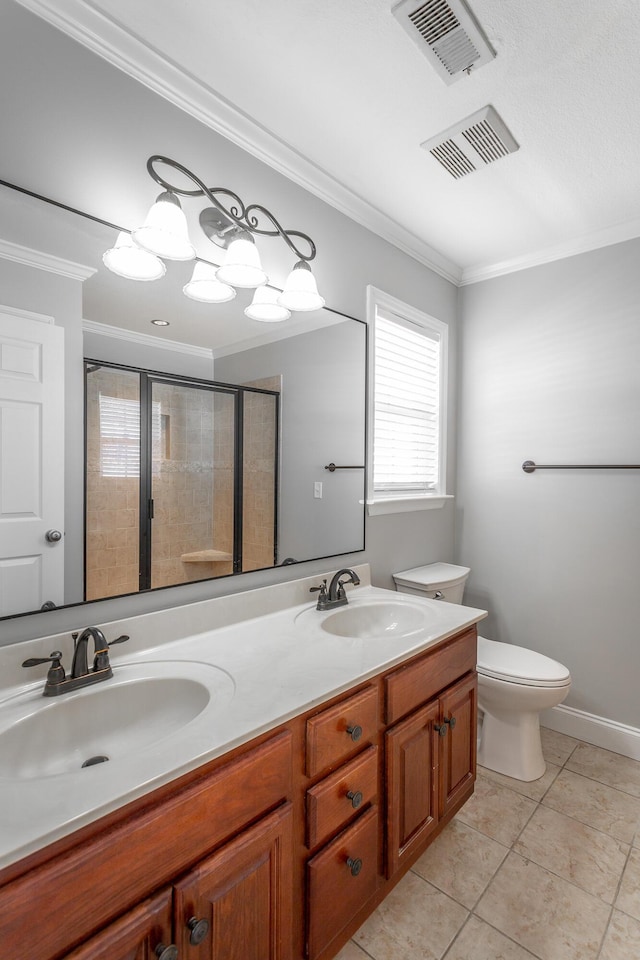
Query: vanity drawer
column 413, row 685
column 336, row 733
column 329, row 805
column 341, row 878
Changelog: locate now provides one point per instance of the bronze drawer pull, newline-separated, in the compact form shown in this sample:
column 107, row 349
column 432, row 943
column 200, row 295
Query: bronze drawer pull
column 355, row 865
column 451, row 721
column 441, row 729
column 166, row 953
column 199, row 930
column 355, row 797
column 355, row 732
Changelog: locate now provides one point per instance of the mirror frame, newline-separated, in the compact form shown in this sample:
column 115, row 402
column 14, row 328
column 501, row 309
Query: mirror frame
column 288, row 562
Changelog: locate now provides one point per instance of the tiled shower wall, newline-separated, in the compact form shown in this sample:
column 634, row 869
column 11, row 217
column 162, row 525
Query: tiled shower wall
column 113, row 508
column 259, row 477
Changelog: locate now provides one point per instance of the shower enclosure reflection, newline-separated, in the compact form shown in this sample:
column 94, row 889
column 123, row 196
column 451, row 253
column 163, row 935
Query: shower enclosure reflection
column 181, row 479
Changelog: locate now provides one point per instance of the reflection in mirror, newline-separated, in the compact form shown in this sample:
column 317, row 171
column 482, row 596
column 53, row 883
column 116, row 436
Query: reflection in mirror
column 181, row 480
column 297, row 387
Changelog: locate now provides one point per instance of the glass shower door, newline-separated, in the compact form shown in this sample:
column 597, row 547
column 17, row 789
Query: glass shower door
column 192, row 442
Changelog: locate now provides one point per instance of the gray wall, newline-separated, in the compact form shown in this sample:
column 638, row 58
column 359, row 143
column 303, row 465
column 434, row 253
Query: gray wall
column 80, row 131
column 550, row 372
column 323, row 385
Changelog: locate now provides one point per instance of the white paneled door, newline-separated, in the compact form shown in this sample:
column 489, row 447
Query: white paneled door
column 31, row 461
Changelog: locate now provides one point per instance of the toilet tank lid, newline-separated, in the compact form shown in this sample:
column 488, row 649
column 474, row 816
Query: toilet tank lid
column 433, row 576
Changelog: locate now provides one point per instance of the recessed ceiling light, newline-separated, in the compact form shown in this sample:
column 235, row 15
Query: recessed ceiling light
column 160, row 323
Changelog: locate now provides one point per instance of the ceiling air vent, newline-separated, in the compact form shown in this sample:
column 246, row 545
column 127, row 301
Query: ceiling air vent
column 471, row 144
column 447, row 33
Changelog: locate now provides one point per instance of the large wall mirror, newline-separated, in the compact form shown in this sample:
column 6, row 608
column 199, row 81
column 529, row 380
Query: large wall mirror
column 222, row 397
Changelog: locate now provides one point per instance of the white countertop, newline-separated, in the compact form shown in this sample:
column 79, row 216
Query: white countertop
column 279, row 668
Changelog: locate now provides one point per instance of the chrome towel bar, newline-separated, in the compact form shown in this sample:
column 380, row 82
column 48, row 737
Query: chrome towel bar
column 530, row 467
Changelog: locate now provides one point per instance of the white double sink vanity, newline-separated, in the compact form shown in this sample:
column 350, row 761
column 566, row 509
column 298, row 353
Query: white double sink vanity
column 251, row 738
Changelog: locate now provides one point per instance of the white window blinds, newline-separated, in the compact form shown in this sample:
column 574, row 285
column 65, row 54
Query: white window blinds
column 407, row 386
column 120, row 435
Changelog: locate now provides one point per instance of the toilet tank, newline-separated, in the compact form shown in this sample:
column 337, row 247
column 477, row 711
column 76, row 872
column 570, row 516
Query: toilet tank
column 434, row 578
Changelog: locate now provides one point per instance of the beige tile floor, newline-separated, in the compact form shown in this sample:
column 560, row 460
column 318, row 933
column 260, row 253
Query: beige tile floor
column 548, row 870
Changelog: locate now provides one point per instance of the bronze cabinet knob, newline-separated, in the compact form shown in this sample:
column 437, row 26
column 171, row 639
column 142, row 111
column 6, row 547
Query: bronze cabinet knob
column 199, row 930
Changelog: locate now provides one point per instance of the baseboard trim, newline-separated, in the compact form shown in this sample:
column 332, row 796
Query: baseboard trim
column 600, row 731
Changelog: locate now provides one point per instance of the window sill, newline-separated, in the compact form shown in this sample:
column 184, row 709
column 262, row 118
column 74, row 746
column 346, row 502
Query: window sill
column 406, row 504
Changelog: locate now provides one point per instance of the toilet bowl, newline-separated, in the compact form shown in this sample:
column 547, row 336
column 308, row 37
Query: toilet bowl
column 514, row 683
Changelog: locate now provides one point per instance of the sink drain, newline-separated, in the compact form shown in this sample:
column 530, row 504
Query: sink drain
column 91, row 762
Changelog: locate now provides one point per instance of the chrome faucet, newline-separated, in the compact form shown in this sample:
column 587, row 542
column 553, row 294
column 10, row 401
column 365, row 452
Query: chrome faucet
column 81, row 676
column 335, row 595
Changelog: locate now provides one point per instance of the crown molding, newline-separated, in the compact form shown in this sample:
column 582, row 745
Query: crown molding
column 619, row 233
column 15, row 313
column 129, row 53
column 146, row 339
column 44, row 261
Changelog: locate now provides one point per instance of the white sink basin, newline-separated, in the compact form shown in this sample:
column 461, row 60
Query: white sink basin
column 372, row 619
column 129, row 714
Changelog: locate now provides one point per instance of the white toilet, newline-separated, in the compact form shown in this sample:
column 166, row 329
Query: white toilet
column 514, row 684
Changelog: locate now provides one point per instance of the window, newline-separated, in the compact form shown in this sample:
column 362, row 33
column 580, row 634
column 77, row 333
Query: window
column 120, row 435
column 407, row 406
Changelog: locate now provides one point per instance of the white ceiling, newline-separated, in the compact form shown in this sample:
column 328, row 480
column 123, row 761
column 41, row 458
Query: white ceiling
column 334, row 94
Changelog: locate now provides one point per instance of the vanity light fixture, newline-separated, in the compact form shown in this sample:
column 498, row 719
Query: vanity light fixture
column 265, row 306
column 129, row 260
column 205, row 286
column 165, row 231
column 300, row 291
column 231, row 225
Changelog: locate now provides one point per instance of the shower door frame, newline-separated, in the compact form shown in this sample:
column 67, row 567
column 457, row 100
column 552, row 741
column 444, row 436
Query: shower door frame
column 146, row 380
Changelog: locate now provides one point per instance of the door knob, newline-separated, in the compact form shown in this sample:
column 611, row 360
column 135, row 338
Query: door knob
column 53, row 536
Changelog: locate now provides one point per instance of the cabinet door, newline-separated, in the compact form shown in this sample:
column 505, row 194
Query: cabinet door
column 412, row 779
column 340, row 880
column 135, row 936
column 243, row 893
column 458, row 747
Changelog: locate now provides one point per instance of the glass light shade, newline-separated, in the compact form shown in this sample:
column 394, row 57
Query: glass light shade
column 205, row 286
column 242, row 267
column 129, row 260
column 300, row 291
column 164, row 232
column 265, row 306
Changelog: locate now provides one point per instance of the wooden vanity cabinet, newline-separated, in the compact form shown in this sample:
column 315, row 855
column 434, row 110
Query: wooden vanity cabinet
column 342, row 814
column 279, row 850
column 143, row 933
column 430, row 755
column 241, row 897
column 89, row 887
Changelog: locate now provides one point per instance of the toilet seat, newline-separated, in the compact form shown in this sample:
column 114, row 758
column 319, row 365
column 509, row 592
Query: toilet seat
column 512, row 664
